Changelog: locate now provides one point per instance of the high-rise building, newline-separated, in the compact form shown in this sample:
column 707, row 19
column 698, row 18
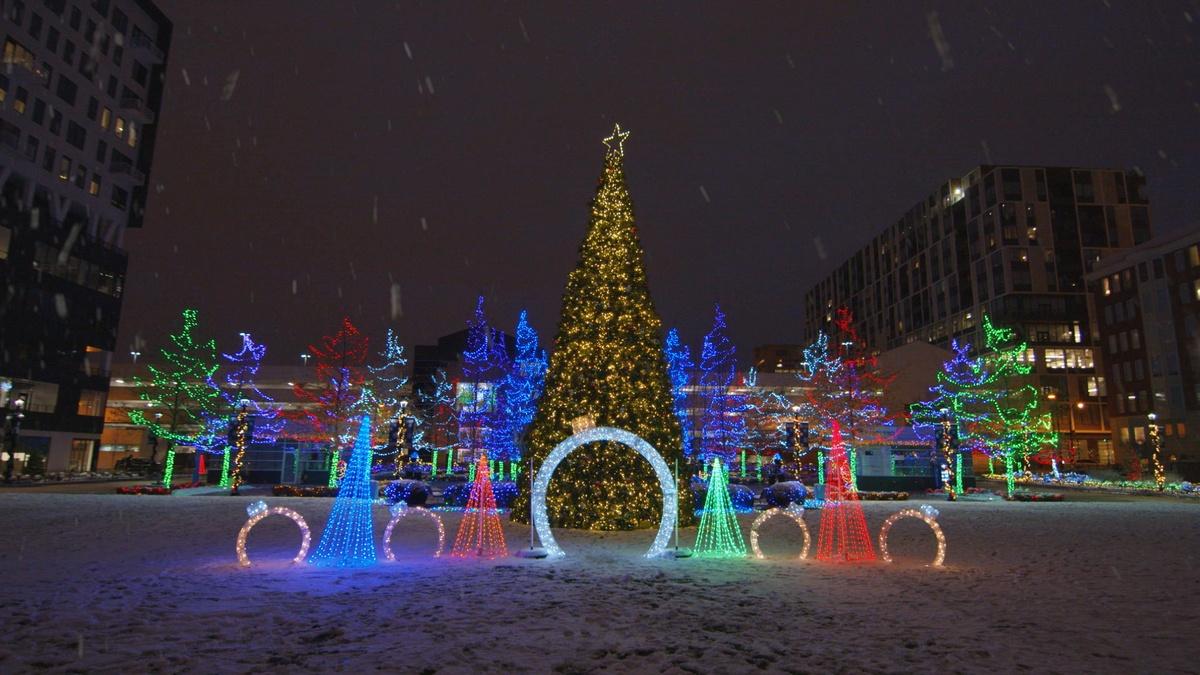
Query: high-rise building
column 1147, row 306
column 778, row 358
column 81, row 85
column 1011, row 241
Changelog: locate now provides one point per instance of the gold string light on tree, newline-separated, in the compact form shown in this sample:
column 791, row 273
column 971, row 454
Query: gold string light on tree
column 608, row 364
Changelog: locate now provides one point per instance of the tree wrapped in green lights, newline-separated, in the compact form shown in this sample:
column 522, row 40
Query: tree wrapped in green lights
column 988, row 403
column 182, row 387
column 608, row 367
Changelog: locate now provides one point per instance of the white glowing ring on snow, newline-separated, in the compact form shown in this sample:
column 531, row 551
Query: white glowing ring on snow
column 257, row 513
column 397, row 514
column 929, row 516
column 794, row 514
column 665, row 480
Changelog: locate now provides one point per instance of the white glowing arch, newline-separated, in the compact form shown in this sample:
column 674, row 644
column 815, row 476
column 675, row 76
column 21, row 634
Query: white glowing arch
column 400, row 510
column 929, row 515
column 257, row 512
column 666, row 481
column 793, row 513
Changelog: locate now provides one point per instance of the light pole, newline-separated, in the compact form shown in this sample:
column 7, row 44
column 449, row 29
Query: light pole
column 14, row 412
column 1160, row 474
column 305, row 358
column 135, row 354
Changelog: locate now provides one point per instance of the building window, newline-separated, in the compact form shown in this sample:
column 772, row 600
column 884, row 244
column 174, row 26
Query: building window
column 91, row 403
column 101, row 152
column 1135, row 339
column 105, row 118
column 31, row 148
column 1079, row 359
column 118, row 54
column 56, row 120
column 80, row 176
column 133, row 135
column 140, row 74
column 20, row 100
column 69, row 52
column 1095, row 387
column 40, row 396
column 119, row 20
column 52, row 39
column 48, row 159
column 111, row 89
column 120, row 198
column 94, row 185
column 1055, row 359
column 67, row 90
column 35, row 25
column 76, row 135
column 64, row 168
column 119, row 127
column 15, row 54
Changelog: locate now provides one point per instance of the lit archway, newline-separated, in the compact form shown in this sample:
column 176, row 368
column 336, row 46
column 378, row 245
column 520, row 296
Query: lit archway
column 666, row 480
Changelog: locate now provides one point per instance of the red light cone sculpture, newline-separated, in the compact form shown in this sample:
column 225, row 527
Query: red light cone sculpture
column 480, row 534
column 843, row 536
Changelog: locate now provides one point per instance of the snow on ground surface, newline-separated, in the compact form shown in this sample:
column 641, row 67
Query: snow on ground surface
column 114, row 583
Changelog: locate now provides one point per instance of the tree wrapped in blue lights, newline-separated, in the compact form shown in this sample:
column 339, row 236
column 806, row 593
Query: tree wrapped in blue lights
column 845, row 385
column 771, row 413
column 389, row 387
column 679, row 369
column 439, row 422
column 485, row 364
column 349, row 539
column 722, row 424
column 519, row 391
column 239, row 389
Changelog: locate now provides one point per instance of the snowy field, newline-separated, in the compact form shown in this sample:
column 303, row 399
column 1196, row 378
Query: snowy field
column 107, row 583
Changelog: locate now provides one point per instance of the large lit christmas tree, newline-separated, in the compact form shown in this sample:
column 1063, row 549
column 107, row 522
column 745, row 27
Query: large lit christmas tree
column 607, row 366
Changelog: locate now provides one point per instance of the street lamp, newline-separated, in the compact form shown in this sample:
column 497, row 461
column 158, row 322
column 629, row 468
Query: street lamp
column 305, row 358
column 14, row 412
column 135, row 354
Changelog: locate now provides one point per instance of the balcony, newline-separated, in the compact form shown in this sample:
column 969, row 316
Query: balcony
column 135, row 109
column 143, row 43
column 128, row 169
column 26, row 73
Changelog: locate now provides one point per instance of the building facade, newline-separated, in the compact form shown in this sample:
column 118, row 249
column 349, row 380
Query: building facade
column 1014, row 242
column 81, row 86
column 1147, row 306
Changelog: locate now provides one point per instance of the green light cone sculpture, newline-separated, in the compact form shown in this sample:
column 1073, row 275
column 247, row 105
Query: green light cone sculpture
column 719, row 535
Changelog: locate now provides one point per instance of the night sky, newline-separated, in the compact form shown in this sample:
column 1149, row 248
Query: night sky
column 317, row 159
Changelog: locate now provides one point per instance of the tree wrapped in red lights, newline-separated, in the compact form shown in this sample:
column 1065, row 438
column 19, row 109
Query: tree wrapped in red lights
column 479, row 533
column 330, row 401
column 843, row 536
column 845, row 386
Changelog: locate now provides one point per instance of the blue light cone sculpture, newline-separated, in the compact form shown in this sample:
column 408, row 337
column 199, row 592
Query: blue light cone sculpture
column 349, row 536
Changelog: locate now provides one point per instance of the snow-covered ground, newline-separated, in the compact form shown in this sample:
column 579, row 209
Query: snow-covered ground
column 149, row 584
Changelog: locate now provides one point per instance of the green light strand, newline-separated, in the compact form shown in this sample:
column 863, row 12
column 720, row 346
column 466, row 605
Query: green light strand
column 225, row 468
column 853, row 468
column 820, row 467
column 471, row 474
column 433, row 465
column 332, row 482
column 743, row 469
column 168, row 467
column 719, row 535
column 958, row 484
column 449, row 462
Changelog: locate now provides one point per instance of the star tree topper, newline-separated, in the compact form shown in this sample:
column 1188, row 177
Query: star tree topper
column 619, row 137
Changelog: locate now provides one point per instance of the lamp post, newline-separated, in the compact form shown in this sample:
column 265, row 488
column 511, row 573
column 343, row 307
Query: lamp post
column 135, row 354
column 14, row 412
column 1160, row 474
column 305, row 357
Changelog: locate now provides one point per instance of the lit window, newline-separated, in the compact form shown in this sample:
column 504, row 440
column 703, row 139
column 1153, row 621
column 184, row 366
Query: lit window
column 133, row 135
column 1107, row 288
column 1080, row 358
column 1095, row 387
column 94, row 185
column 1055, row 359
column 105, row 118
column 1196, row 288
column 64, row 168
column 119, row 127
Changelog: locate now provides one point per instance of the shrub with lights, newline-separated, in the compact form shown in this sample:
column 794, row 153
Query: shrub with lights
column 409, row 492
